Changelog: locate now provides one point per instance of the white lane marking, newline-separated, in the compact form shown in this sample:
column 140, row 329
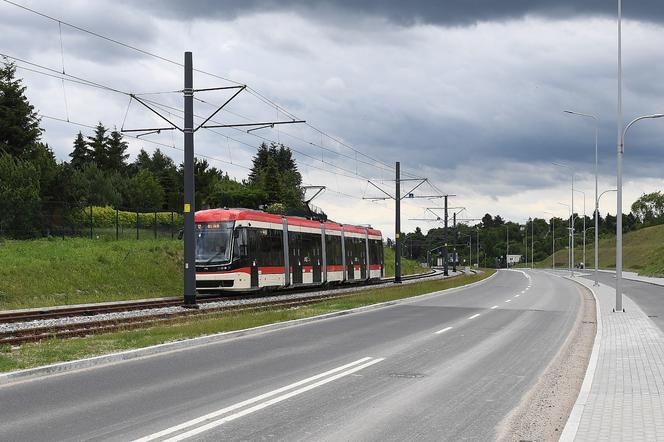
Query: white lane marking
column 247, row 402
column 494, row 307
column 266, row 404
column 516, row 296
column 509, row 300
column 474, row 316
column 443, row 330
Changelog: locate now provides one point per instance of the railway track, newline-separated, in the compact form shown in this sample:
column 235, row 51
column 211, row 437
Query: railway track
column 64, row 330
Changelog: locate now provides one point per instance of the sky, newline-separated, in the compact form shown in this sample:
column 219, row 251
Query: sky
column 468, row 94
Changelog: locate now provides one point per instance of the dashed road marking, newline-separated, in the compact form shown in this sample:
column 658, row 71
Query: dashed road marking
column 474, row 316
column 443, row 330
column 494, row 307
column 509, row 300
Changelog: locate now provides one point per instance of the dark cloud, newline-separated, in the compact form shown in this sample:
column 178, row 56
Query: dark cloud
column 456, row 12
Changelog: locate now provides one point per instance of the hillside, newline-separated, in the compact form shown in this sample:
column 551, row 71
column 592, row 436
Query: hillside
column 46, row 272
column 643, row 252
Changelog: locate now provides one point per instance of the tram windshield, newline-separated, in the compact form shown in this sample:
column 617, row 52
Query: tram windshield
column 213, row 242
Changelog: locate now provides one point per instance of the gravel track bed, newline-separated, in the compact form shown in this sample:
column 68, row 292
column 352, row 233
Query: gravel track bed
column 59, row 322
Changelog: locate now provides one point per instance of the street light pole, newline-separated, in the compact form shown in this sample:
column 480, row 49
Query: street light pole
column 596, row 197
column 532, row 244
column 553, row 240
column 569, row 255
column 571, row 232
column 584, row 226
column 621, row 151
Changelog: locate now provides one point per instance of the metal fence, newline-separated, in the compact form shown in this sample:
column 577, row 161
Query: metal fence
column 59, row 219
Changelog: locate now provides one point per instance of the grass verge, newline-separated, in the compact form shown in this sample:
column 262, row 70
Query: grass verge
column 49, row 272
column 61, row 350
column 643, row 252
column 408, row 266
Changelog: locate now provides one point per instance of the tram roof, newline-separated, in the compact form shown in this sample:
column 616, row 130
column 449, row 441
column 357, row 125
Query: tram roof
column 212, row 215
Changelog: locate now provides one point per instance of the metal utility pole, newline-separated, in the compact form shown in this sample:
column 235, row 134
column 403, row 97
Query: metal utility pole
column 532, row 244
column 478, row 247
column 397, row 225
column 189, row 209
column 507, row 253
column 445, row 259
column 454, row 252
column 189, row 185
column 397, row 197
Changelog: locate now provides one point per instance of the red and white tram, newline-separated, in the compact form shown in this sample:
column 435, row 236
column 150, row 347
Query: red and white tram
column 240, row 249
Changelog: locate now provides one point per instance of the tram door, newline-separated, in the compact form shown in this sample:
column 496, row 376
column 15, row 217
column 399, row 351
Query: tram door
column 350, row 258
column 295, row 255
column 362, row 249
column 316, row 257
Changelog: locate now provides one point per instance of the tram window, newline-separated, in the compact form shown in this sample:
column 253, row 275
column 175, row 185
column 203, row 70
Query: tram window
column 333, row 249
column 240, row 248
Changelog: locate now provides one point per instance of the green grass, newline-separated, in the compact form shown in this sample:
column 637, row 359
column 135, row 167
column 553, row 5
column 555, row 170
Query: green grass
column 60, row 350
column 643, row 252
column 408, row 266
column 49, row 272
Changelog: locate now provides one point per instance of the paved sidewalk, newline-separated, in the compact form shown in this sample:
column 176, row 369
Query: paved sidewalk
column 625, row 400
column 633, row 276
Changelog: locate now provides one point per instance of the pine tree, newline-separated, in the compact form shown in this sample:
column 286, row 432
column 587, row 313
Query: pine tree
column 259, row 164
column 99, row 146
column 81, row 154
column 19, row 123
column 116, row 153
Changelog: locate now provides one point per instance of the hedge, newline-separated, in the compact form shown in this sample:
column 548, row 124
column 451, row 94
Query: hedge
column 106, row 216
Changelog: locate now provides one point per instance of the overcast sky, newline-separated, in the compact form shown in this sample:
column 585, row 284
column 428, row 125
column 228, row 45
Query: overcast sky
column 466, row 93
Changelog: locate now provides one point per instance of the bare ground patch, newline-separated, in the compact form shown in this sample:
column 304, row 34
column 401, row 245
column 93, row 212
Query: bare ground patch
column 542, row 413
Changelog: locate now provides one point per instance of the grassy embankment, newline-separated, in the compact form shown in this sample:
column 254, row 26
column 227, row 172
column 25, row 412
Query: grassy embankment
column 48, row 272
column 643, row 252
column 59, row 350
column 408, row 266
column 51, row 272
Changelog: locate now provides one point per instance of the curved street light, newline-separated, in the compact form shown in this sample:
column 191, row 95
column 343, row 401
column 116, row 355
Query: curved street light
column 596, row 283
column 596, row 196
column 621, row 152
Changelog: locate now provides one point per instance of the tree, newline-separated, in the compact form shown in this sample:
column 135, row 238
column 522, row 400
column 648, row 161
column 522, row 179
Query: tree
column 144, row 191
column 81, row 154
column 649, row 208
column 274, row 172
column 259, row 164
column 116, row 153
column 98, row 145
column 92, row 186
column 19, row 123
column 19, row 197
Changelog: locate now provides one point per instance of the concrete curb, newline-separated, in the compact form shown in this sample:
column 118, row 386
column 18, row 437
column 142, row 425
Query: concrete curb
column 572, row 425
column 65, row 367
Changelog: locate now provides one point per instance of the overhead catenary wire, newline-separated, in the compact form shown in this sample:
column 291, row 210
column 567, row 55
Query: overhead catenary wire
column 80, row 80
column 249, row 89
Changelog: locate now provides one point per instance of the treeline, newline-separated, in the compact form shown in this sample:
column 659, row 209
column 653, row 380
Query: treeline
column 38, row 193
column 647, row 211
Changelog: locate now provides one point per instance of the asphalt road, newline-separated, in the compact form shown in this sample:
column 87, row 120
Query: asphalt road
column 649, row 297
column 446, row 367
